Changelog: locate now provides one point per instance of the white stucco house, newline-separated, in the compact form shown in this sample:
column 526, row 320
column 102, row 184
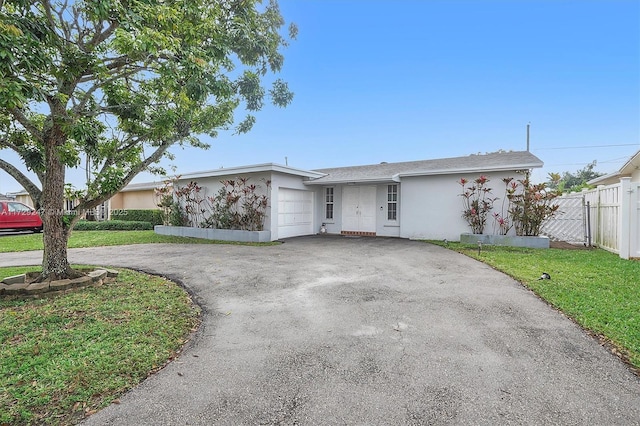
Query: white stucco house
column 416, row 199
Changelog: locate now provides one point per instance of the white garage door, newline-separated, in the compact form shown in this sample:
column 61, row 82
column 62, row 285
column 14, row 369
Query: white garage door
column 295, row 213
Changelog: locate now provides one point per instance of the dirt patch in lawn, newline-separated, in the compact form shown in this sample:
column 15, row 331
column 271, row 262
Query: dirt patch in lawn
column 568, row 246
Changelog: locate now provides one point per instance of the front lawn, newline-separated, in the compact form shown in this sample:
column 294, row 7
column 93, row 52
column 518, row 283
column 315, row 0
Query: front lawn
column 600, row 291
column 80, row 239
column 66, row 357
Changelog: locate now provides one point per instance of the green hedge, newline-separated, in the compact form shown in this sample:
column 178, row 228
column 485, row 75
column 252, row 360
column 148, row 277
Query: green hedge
column 113, row 225
column 152, row 216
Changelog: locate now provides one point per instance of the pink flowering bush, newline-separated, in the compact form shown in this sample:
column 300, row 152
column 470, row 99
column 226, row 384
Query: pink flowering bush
column 237, row 205
column 477, row 201
column 530, row 205
column 525, row 206
column 502, row 221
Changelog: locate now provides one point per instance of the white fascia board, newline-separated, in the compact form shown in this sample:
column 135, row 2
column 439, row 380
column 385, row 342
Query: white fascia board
column 470, row 170
column 15, row 194
column 351, row 181
column 604, row 178
column 141, row 186
column 626, row 170
column 630, row 165
column 256, row 168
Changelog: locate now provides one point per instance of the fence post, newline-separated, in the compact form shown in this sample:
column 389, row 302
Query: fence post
column 588, row 228
column 624, row 237
column 599, row 227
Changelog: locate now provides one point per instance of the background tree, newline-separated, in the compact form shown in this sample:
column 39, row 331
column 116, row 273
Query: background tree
column 115, row 83
column 570, row 182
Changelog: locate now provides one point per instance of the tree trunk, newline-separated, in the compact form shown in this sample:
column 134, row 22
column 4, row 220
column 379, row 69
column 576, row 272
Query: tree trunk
column 55, row 264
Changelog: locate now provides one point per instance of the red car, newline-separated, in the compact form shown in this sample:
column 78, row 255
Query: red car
column 18, row 216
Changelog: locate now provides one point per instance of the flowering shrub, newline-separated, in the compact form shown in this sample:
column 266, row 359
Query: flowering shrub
column 525, row 207
column 194, row 202
column 477, row 202
column 238, row 206
column 502, row 221
column 530, row 205
column 171, row 211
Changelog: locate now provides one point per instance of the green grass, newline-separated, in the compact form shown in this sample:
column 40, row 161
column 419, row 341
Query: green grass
column 80, row 239
column 600, row 291
column 66, row 357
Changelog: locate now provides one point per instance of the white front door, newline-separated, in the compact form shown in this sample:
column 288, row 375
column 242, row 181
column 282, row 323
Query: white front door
column 359, row 208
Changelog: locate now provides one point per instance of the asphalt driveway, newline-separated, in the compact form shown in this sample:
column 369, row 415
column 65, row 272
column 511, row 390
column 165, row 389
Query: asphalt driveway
column 364, row 331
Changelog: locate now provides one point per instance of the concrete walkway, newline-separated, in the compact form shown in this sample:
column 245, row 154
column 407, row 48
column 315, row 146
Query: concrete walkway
column 364, row 331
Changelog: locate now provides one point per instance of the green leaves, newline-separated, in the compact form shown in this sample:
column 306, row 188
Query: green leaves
column 280, row 93
column 251, row 90
column 119, row 82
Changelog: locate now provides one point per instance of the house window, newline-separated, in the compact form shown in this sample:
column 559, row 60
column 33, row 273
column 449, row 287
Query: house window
column 328, row 203
column 392, row 202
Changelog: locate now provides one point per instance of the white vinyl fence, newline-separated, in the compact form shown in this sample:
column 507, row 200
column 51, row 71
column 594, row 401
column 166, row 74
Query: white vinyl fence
column 605, row 208
column 570, row 221
column 610, row 217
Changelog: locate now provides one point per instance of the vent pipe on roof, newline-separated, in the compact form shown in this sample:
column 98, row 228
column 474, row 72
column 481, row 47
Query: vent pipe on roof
column 528, row 125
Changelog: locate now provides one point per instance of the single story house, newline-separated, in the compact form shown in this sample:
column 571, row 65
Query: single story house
column 630, row 169
column 136, row 196
column 415, row 199
column 21, row 197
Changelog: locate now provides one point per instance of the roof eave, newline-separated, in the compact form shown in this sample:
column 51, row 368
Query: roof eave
column 142, row 186
column 631, row 165
column 350, row 181
column 257, row 168
column 471, row 170
column 604, row 178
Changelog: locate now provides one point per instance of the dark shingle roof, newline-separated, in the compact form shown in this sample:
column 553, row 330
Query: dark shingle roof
column 482, row 163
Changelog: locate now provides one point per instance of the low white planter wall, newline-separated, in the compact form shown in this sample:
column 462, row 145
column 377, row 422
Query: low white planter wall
column 505, row 240
column 215, row 234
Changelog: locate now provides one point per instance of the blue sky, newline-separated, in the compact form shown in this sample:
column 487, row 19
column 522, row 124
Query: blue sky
column 408, row 80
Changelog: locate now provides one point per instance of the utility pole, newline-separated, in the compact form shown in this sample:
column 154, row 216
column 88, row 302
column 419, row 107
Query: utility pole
column 528, row 125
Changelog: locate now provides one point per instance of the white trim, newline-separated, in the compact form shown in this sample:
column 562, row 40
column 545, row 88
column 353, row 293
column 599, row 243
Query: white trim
column 396, row 202
column 325, row 203
column 266, row 167
column 142, row 186
column 396, row 178
column 469, row 170
column 382, row 180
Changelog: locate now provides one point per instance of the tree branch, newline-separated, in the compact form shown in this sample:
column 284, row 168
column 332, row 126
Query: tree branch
column 153, row 158
column 49, row 13
column 114, row 77
column 99, row 37
column 23, row 180
column 26, row 123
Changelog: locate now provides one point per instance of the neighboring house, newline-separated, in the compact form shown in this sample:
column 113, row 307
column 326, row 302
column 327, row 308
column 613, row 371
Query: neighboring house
column 615, row 210
column 22, row 197
column 612, row 219
column 100, row 213
column 5, row 197
column 416, row 199
column 630, row 169
column 136, row 196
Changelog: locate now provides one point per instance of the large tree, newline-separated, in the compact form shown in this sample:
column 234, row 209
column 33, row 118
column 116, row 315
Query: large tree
column 114, row 83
